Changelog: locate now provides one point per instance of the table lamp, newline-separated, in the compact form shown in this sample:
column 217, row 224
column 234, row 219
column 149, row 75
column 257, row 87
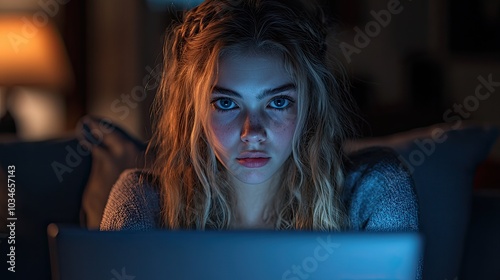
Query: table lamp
column 31, row 55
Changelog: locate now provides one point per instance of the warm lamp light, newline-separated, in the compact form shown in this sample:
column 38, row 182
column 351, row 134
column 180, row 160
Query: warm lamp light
column 31, row 55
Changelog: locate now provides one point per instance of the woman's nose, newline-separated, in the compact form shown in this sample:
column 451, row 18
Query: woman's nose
column 253, row 130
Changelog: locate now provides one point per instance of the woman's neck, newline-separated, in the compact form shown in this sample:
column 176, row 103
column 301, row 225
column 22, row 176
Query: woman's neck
column 254, row 205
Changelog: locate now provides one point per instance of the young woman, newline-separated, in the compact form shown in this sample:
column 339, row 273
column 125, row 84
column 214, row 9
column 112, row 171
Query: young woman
column 250, row 124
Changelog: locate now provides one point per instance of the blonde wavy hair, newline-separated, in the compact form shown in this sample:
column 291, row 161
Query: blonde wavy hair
column 193, row 185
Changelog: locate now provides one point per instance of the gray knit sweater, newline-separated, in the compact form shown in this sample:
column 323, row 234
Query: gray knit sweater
column 379, row 195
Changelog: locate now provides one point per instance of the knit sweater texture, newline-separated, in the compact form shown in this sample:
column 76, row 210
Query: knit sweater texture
column 378, row 194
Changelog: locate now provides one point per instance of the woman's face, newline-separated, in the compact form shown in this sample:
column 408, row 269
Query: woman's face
column 253, row 117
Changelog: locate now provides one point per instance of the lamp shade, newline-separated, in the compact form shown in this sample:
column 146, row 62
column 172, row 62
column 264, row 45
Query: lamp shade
column 32, row 54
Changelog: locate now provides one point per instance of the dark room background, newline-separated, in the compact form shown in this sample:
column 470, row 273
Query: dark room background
column 411, row 63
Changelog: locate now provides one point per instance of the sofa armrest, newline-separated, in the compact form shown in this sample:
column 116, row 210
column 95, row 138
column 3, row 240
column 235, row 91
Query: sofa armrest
column 50, row 177
column 482, row 246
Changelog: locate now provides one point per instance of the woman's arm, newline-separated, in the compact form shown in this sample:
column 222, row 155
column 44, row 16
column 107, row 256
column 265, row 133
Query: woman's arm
column 380, row 193
column 132, row 205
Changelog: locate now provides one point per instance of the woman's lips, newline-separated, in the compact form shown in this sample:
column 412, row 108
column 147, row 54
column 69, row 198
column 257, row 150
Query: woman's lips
column 253, row 162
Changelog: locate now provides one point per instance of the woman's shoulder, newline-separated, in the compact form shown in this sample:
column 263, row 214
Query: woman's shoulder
column 376, row 164
column 379, row 192
column 133, row 202
column 379, row 157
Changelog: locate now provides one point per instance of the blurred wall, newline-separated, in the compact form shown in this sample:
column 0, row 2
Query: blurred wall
column 409, row 70
column 405, row 69
column 115, row 47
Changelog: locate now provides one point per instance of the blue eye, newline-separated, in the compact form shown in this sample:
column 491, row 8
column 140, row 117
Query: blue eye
column 224, row 104
column 281, row 103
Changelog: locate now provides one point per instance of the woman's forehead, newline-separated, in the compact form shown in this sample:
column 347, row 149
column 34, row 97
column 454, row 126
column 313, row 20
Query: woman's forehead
column 253, row 72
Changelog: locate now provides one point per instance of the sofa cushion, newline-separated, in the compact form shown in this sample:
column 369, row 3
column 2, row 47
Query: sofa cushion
column 443, row 163
column 113, row 151
column 444, row 173
column 482, row 249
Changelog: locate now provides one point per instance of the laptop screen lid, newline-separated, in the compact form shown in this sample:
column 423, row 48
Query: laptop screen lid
column 295, row 255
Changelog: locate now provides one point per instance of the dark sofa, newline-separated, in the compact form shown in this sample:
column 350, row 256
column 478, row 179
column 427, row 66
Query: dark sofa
column 50, row 177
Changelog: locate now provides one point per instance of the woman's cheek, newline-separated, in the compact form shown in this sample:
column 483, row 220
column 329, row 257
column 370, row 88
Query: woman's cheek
column 223, row 128
column 289, row 127
column 284, row 123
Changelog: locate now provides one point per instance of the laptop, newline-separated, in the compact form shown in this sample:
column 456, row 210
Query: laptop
column 77, row 253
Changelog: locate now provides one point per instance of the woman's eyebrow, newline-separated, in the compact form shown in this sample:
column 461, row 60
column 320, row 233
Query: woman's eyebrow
column 225, row 91
column 274, row 91
column 266, row 92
